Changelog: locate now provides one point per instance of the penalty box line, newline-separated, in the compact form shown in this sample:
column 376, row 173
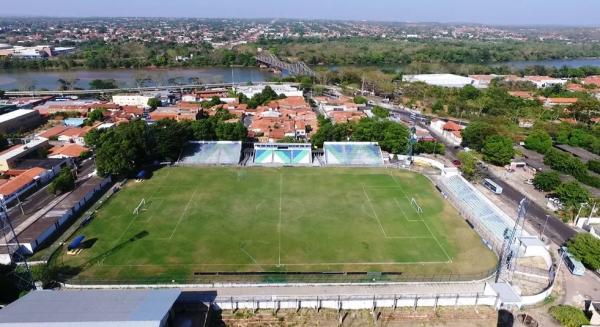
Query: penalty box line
column 424, row 222
column 376, row 216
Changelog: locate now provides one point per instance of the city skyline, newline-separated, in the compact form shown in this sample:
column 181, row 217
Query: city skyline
column 531, row 12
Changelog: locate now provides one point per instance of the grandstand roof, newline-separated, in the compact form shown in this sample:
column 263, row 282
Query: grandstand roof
column 138, row 308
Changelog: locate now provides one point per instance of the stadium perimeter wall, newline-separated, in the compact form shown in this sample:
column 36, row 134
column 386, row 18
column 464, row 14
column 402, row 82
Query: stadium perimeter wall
column 488, row 297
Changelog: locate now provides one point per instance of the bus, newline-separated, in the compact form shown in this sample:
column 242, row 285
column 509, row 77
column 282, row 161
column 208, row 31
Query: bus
column 488, row 183
column 575, row 266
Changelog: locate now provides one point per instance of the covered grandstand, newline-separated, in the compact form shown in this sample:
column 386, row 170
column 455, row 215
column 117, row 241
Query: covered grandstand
column 478, row 209
column 212, row 153
column 353, row 154
column 282, row 154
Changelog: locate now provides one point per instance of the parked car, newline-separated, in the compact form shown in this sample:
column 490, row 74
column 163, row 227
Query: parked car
column 457, row 163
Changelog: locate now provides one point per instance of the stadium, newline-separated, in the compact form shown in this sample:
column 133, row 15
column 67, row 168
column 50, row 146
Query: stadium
column 286, row 213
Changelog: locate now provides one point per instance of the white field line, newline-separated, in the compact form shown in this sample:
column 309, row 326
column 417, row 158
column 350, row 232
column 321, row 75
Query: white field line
column 187, row 206
column 404, row 214
column 251, row 257
column 424, row 222
column 280, row 216
column 385, row 235
column 374, row 212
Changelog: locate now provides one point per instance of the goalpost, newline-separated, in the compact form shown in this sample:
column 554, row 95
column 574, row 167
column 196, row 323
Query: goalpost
column 416, row 205
column 139, row 207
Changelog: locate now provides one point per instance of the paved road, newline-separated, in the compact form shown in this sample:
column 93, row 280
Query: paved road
column 555, row 229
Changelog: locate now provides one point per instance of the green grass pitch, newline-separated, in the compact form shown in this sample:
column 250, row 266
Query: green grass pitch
column 200, row 219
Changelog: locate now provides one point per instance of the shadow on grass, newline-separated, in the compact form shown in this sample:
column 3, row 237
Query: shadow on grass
column 68, row 272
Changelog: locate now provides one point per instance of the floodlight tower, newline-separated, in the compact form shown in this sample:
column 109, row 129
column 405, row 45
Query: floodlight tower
column 508, row 254
column 412, row 137
column 13, row 247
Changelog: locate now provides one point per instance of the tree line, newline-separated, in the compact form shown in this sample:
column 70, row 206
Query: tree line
column 128, row 147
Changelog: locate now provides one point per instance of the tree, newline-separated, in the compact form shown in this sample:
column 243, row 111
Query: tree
column 123, row 149
column 437, row 106
column 380, row 112
column 475, row 134
column 539, row 141
column 467, row 163
column 572, row 194
column 1, row 94
column 429, row 147
column 170, row 137
column 103, row 84
column 231, row 131
column 586, row 248
column 546, row 181
column 154, row 103
column 469, row 92
column 498, row 150
column 565, row 163
column 95, row 115
column 64, row 182
column 360, row 100
column 569, row 316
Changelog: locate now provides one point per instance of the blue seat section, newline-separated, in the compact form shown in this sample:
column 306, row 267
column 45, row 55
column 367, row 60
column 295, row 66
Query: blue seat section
column 353, row 154
column 212, row 153
column 282, row 154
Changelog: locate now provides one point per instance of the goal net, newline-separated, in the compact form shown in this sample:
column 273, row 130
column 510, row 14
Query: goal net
column 416, row 205
column 140, row 207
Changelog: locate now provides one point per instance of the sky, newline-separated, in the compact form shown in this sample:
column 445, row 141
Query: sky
column 503, row 12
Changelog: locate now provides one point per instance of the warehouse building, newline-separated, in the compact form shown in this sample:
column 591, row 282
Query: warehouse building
column 87, row 308
column 19, row 120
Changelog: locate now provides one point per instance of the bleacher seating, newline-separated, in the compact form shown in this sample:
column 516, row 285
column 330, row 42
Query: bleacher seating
column 282, row 154
column 490, row 216
column 353, row 154
column 212, row 153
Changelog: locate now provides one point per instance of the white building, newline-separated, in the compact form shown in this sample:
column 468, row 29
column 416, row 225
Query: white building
column 137, row 100
column 545, row 81
column 285, row 89
column 444, row 80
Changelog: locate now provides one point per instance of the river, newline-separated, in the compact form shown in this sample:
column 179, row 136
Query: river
column 21, row 80
column 24, row 80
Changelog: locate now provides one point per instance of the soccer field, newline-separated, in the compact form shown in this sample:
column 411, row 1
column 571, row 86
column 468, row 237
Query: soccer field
column 202, row 220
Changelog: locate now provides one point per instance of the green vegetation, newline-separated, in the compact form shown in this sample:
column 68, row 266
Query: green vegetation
column 360, row 100
column 539, row 141
column 103, row 84
column 546, row 181
column 94, row 116
column 380, row 112
column 572, row 194
column 498, row 150
column 264, row 97
column 154, row 103
column 392, row 137
column 429, row 147
column 64, row 182
column 586, row 248
column 275, row 219
column 569, row 316
column 468, row 163
column 381, row 52
column 475, row 134
column 128, row 147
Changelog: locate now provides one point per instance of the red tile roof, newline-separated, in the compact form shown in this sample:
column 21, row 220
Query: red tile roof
column 16, row 184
